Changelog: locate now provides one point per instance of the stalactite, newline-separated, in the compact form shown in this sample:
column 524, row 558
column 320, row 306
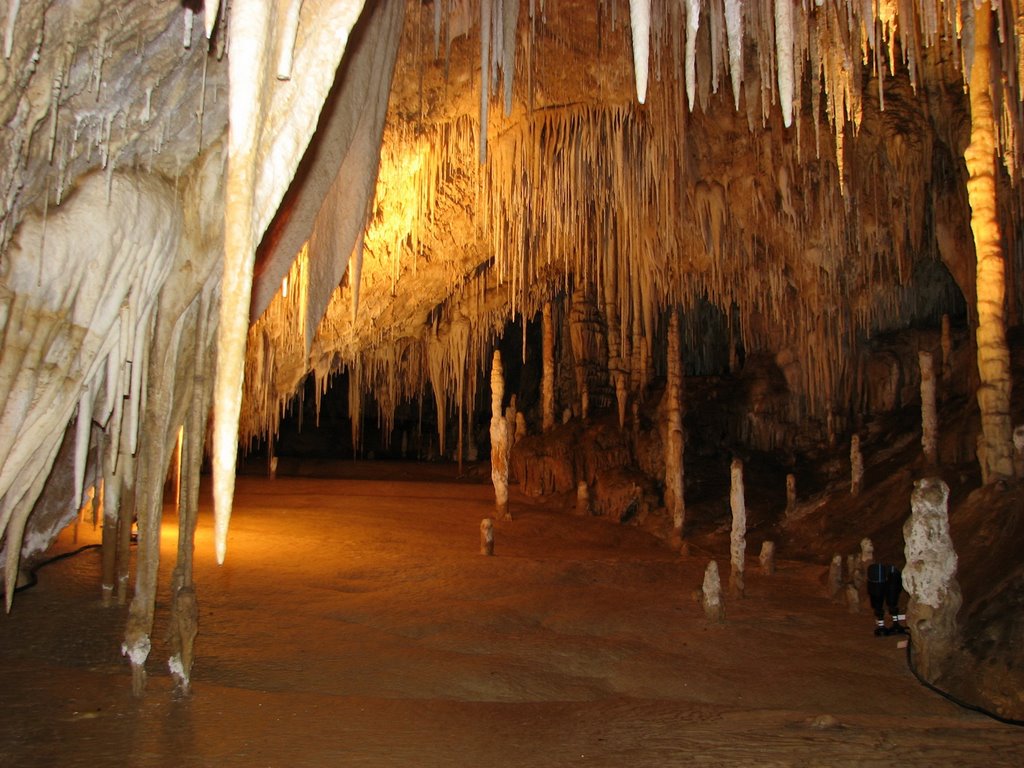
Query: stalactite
column 510, row 18
column 929, row 413
column 734, row 34
column 485, row 62
column 640, row 23
column 692, row 25
column 288, row 28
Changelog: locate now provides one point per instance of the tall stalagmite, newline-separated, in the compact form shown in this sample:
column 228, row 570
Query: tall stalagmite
column 500, row 442
column 548, row 373
column 674, row 500
column 995, row 450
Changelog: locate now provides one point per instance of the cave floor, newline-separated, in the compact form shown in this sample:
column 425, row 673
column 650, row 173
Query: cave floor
column 354, row 624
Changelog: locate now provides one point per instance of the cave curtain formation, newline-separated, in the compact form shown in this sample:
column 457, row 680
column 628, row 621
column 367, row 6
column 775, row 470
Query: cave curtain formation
column 204, row 205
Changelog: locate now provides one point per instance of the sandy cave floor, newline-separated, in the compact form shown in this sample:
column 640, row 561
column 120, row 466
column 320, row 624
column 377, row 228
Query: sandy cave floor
column 354, row 624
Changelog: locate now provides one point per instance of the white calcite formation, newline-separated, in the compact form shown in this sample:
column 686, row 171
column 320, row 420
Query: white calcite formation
column 930, row 578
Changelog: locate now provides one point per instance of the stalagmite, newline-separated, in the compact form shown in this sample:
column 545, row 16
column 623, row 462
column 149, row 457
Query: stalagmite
column 856, row 466
column 674, row 499
column 487, row 537
column 993, row 355
column 738, row 536
column 835, row 577
column 852, row 599
column 947, row 353
column 582, row 499
column 790, row 494
column 867, row 552
column 767, row 558
column 499, row 440
column 711, row 594
column 1018, row 449
column 929, row 413
column 548, row 373
column 640, row 23
column 929, row 578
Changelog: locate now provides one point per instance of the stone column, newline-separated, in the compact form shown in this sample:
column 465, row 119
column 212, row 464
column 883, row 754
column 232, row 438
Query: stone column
column 548, row 365
column 499, row 440
column 929, row 412
column 929, row 578
column 674, row 500
column 995, row 454
column 738, row 538
column 111, row 510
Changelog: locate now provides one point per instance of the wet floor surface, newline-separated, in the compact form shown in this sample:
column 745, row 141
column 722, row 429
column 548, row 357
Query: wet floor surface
column 354, row 624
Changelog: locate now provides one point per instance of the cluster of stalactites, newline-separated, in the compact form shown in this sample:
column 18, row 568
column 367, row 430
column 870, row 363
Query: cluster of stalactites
column 578, row 196
column 830, row 43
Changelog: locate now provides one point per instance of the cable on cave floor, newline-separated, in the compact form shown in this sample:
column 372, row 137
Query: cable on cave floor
column 950, row 697
column 34, row 579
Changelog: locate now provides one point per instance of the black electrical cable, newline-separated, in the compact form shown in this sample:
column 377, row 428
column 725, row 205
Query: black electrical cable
column 954, row 699
column 33, row 579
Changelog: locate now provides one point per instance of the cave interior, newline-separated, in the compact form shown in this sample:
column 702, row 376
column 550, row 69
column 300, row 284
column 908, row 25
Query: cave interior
column 621, row 256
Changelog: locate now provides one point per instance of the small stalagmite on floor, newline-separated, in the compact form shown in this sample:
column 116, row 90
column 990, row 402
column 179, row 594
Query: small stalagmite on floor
column 767, row 558
column 711, row 594
column 835, row 577
column 487, row 537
